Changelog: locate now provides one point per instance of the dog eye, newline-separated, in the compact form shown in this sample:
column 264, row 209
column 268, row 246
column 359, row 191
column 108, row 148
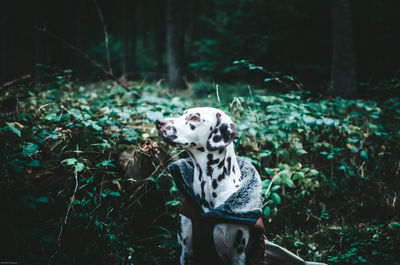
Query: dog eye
column 195, row 119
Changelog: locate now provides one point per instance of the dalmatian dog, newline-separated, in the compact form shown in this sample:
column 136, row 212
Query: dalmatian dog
column 207, row 134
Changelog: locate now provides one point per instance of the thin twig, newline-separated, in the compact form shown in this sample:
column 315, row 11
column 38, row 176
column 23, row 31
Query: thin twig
column 87, row 57
column 107, row 45
column 19, row 79
column 270, row 186
column 68, row 209
column 102, row 178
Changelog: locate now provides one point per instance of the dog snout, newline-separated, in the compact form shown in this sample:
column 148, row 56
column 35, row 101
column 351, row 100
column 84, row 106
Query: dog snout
column 160, row 124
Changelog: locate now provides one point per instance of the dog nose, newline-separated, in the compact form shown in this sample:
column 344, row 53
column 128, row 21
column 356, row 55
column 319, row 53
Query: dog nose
column 159, row 124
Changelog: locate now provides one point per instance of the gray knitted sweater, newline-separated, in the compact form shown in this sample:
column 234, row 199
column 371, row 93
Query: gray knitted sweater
column 244, row 205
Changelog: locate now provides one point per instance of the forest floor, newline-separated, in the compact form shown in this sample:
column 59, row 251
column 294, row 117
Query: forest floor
column 86, row 181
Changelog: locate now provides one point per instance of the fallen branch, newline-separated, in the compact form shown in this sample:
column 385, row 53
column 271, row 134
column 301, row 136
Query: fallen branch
column 19, row 79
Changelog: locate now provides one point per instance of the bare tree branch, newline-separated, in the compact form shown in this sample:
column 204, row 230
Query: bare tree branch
column 90, row 59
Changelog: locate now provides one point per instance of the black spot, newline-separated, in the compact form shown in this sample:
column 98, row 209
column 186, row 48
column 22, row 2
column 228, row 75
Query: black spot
column 173, row 129
column 237, row 186
column 234, row 181
column 204, row 203
column 212, row 204
column 229, row 160
column 200, row 171
column 172, row 137
column 224, row 132
column 214, row 184
column 215, row 130
column 192, row 127
column 222, row 176
column 203, row 195
column 193, row 144
column 210, row 128
column 233, row 169
column 210, row 162
column 220, row 151
column 198, row 114
column 217, row 138
column 168, row 127
column 201, row 149
column 214, row 195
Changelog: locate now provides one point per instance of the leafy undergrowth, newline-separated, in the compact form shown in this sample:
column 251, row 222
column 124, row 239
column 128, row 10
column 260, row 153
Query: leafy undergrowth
column 330, row 172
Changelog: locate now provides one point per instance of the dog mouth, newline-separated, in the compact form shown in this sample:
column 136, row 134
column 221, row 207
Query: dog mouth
column 169, row 139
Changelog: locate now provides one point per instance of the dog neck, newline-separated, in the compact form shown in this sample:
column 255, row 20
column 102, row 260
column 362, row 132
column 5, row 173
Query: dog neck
column 216, row 176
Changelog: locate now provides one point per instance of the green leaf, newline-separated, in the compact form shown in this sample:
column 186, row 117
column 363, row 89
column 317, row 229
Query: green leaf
column 17, row 165
column 172, row 203
column 75, row 202
column 301, row 152
column 275, row 188
column 266, row 80
column 265, row 183
column 265, row 153
column 267, row 211
column 298, row 244
column 269, row 171
column 42, row 199
column 284, row 174
column 288, row 182
column 276, row 198
column 364, row 154
column 10, row 127
column 33, row 163
column 96, row 126
column 362, row 259
column 29, row 149
column 69, row 161
column 298, row 175
column 79, row 167
column 106, row 163
column 114, row 193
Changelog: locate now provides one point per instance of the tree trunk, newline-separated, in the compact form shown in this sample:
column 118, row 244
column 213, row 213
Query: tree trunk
column 78, row 37
column 159, row 35
column 3, row 42
column 125, row 38
column 175, row 44
column 37, row 43
column 343, row 74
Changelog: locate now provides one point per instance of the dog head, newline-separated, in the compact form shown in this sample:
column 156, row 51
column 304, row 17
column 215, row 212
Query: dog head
column 200, row 128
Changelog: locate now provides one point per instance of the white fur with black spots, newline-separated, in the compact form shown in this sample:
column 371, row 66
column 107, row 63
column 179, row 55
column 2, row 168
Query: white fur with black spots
column 207, row 134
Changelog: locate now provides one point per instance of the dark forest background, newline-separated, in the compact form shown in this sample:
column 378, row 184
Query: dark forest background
column 293, row 37
column 312, row 86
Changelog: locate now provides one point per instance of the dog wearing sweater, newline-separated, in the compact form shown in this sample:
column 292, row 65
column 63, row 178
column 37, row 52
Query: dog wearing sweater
column 207, row 134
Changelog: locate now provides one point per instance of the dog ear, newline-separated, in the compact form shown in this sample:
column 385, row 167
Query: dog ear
column 223, row 133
